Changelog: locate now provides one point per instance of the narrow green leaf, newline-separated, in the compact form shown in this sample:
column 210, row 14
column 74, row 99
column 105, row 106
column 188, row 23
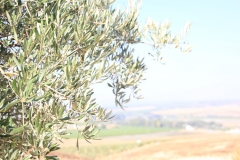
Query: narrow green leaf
column 17, row 62
column 109, row 85
column 40, row 127
column 42, row 75
column 67, row 73
column 65, row 118
column 86, row 128
column 1, row 103
column 15, row 34
column 99, row 73
column 10, row 105
column 60, row 112
column 107, row 115
column 28, row 90
column 9, row 18
column 37, row 120
column 17, row 130
column 77, row 142
column 34, row 153
column 14, row 155
column 27, row 157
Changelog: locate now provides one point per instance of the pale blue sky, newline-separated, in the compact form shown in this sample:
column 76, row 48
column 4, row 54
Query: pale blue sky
column 211, row 72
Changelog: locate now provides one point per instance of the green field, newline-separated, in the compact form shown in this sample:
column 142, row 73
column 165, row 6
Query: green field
column 94, row 151
column 121, row 130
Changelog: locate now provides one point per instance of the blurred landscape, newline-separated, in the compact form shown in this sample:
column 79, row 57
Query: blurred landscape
column 210, row 132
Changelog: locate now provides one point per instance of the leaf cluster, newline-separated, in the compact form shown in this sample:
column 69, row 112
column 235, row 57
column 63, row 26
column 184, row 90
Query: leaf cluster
column 52, row 52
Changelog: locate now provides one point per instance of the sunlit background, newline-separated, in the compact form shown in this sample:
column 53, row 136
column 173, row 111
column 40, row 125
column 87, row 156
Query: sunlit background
column 209, row 74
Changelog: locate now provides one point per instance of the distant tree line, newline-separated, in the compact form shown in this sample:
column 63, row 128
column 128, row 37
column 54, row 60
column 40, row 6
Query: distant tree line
column 167, row 123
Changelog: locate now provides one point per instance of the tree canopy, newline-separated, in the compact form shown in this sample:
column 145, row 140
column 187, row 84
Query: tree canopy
column 51, row 54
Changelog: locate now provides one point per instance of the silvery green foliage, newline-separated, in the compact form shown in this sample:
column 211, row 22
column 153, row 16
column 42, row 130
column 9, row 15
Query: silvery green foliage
column 51, row 54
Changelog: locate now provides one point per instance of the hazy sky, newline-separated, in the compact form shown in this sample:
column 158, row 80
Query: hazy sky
column 211, row 72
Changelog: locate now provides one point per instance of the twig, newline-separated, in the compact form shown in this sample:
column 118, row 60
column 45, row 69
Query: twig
column 60, row 94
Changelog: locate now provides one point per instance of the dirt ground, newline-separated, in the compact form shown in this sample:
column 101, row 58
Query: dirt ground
column 170, row 146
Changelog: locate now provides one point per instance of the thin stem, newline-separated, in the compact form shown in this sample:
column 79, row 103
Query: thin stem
column 22, row 113
column 60, row 94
